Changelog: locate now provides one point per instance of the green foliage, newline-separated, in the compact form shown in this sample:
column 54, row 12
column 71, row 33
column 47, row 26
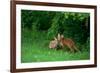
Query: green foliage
column 53, row 30
column 41, row 19
column 86, row 46
column 70, row 24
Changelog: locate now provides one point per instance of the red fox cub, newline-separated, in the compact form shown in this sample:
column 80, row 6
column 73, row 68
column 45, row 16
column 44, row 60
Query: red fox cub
column 67, row 42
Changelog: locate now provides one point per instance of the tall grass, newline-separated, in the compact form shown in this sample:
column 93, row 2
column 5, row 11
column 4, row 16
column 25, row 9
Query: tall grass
column 34, row 48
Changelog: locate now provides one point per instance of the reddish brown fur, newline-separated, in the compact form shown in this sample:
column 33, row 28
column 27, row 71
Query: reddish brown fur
column 68, row 43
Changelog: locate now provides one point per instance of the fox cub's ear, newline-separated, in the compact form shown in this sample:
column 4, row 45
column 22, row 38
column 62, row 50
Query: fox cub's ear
column 55, row 38
column 58, row 36
column 62, row 36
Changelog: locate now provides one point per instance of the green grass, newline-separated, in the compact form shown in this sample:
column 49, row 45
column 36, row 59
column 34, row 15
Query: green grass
column 35, row 48
column 37, row 52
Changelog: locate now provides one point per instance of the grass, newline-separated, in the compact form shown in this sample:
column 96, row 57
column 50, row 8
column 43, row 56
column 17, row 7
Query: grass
column 36, row 50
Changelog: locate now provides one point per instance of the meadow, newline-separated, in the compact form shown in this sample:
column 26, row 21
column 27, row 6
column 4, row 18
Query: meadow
column 36, row 49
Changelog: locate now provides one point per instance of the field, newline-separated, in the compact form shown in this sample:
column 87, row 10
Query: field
column 37, row 50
